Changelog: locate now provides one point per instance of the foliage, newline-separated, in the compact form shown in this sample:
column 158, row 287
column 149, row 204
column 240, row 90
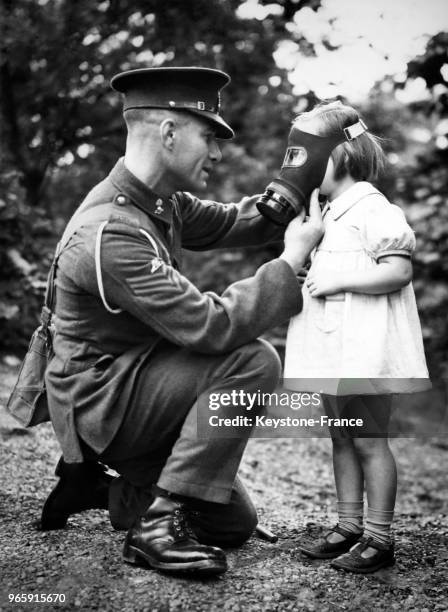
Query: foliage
column 426, row 188
column 56, row 103
column 430, row 67
column 416, row 136
column 423, row 190
column 62, row 132
column 61, row 124
column 23, row 231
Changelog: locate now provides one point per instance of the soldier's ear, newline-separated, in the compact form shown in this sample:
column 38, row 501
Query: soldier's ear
column 168, row 133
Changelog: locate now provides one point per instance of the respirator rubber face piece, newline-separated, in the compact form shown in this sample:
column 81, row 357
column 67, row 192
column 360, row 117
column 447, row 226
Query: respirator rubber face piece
column 302, row 171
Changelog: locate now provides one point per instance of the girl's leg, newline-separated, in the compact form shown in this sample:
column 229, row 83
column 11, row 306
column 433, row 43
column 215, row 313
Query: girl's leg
column 349, row 487
column 348, row 475
column 349, row 480
column 380, row 472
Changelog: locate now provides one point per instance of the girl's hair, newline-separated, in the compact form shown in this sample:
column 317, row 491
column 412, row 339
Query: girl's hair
column 363, row 157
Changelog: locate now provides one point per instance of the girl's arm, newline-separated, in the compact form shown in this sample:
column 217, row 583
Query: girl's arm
column 391, row 274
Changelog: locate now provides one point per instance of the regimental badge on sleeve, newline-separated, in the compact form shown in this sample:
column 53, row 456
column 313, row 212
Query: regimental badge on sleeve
column 155, row 264
column 156, row 261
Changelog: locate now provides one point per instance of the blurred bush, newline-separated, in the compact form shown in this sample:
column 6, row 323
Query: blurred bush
column 61, row 132
column 26, row 239
column 423, row 193
column 61, row 125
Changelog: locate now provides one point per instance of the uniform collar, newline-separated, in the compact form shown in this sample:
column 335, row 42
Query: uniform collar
column 140, row 194
column 350, row 197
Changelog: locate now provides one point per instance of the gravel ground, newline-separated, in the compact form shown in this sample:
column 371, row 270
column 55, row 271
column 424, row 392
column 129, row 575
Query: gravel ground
column 291, row 483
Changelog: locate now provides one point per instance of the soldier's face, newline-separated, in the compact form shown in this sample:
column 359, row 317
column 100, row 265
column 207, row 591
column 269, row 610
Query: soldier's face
column 194, row 154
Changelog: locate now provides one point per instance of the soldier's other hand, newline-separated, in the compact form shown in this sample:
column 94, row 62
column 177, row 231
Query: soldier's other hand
column 303, row 234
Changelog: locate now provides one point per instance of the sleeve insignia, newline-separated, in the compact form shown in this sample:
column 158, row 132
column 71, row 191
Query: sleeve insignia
column 155, row 264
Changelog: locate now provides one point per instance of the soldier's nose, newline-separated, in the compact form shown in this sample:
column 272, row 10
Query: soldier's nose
column 215, row 152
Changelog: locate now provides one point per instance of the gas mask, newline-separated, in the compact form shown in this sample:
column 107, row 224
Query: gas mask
column 303, row 170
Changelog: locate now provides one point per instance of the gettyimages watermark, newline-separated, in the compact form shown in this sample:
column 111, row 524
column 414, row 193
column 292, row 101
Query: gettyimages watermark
column 327, row 408
column 249, row 400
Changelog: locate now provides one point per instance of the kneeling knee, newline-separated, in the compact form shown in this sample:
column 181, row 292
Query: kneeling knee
column 245, row 527
column 264, row 361
column 227, row 531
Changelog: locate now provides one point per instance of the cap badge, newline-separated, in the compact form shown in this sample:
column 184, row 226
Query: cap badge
column 159, row 207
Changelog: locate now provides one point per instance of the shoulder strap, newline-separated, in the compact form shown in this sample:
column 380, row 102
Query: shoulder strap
column 80, row 218
column 99, row 276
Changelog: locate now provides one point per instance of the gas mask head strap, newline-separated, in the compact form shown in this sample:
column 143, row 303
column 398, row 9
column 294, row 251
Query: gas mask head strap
column 352, row 131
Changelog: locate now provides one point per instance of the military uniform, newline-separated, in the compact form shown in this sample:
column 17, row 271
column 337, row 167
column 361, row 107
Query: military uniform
column 138, row 347
column 99, row 355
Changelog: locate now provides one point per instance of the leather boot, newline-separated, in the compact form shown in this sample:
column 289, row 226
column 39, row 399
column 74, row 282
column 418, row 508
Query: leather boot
column 164, row 540
column 81, row 486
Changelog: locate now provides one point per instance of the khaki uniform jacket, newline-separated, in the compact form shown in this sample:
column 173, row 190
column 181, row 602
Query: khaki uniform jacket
column 97, row 353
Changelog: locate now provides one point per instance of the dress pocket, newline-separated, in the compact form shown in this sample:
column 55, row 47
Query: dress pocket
column 330, row 313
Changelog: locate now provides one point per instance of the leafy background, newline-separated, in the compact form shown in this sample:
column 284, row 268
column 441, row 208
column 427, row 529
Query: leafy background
column 61, row 131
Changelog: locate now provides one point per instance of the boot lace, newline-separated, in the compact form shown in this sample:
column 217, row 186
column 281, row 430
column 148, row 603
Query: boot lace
column 181, row 524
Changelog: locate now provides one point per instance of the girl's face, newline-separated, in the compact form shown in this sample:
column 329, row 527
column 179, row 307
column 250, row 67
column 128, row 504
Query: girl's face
column 328, row 184
column 331, row 186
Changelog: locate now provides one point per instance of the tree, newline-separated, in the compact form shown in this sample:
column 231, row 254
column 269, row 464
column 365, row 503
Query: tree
column 61, row 123
column 424, row 187
column 431, row 66
column 55, row 95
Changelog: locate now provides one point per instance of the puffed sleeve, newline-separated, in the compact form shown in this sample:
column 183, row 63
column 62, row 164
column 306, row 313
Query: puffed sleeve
column 385, row 231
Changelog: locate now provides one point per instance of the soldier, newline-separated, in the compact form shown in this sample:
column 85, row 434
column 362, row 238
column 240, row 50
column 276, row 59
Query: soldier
column 138, row 348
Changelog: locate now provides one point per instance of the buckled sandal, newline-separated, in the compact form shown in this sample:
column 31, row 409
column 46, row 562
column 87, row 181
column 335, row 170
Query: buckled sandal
column 353, row 561
column 323, row 549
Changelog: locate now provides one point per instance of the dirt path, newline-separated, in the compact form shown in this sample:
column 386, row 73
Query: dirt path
column 291, row 483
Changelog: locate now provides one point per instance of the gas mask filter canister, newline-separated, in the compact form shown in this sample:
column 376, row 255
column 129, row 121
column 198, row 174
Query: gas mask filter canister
column 302, row 171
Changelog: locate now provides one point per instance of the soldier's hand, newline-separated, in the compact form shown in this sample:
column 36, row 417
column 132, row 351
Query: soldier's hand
column 302, row 276
column 302, row 235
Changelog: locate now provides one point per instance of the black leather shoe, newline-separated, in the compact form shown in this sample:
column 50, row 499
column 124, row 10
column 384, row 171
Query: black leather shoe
column 164, row 540
column 81, row 486
column 353, row 561
column 323, row 549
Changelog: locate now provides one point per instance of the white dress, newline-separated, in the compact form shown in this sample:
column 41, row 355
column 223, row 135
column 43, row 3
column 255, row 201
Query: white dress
column 374, row 339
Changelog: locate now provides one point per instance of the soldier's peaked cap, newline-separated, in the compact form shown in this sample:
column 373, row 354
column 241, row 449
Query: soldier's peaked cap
column 192, row 89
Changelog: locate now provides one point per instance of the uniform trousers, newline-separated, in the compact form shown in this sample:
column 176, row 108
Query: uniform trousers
column 159, row 443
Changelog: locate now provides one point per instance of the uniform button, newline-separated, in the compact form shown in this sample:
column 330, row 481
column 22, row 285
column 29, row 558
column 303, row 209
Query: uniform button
column 121, row 200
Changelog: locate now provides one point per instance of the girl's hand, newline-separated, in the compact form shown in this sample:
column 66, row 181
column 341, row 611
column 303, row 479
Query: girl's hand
column 391, row 274
column 324, row 283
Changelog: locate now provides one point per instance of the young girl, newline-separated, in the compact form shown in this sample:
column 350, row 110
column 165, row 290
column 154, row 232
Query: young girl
column 359, row 330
